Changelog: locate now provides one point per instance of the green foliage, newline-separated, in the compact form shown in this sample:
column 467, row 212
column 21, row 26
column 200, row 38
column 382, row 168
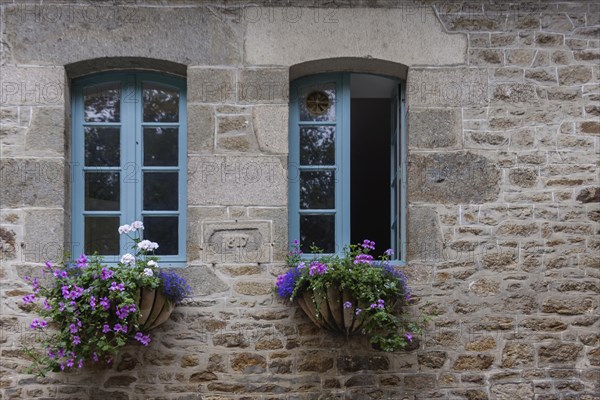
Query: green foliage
column 380, row 292
column 90, row 309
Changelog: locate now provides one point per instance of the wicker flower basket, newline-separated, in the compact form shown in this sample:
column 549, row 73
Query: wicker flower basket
column 155, row 308
column 326, row 310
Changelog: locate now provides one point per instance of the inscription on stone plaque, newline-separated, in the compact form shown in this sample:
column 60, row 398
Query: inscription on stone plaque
column 236, row 242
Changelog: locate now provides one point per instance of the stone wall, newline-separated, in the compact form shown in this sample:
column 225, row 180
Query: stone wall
column 503, row 194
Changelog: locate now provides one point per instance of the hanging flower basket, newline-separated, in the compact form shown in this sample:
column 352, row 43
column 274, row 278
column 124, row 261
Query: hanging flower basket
column 155, row 308
column 326, row 310
column 351, row 294
column 92, row 309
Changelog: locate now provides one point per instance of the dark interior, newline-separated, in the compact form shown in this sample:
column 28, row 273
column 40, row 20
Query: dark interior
column 370, row 171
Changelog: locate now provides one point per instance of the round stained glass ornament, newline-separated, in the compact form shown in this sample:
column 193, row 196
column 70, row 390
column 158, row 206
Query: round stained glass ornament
column 317, row 102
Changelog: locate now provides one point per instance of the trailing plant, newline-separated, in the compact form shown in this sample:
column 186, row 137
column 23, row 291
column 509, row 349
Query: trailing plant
column 379, row 291
column 90, row 309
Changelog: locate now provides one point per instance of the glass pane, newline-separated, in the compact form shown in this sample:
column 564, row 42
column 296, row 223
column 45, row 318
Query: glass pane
column 161, row 190
column 165, row 232
column 318, row 230
column 102, row 146
column 102, row 103
column 101, row 235
column 317, row 145
column 317, row 102
column 102, row 191
column 317, row 190
column 160, row 146
column 161, row 103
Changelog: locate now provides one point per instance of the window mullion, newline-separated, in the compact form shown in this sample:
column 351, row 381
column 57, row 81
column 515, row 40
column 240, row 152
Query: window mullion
column 130, row 168
column 343, row 179
column 403, row 174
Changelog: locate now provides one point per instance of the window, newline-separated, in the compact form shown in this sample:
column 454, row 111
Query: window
column 347, row 175
column 129, row 162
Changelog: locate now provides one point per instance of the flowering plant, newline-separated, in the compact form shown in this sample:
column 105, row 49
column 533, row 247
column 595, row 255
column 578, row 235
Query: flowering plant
column 374, row 292
column 91, row 310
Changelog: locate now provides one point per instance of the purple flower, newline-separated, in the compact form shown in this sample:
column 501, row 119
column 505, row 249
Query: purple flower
column 143, row 339
column 37, row 323
column 47, row 305
column 76, row 339
column 316, row 268
column 105, row 303
column 49, row 265
column 357, row 311
column 61, row 353
column 379, row 304
column 73, row 328
column 175, row 287
column 93, row 302
column 70, row 363
column 106, row 274
column 95, row 357
column 120, row 328
column 80, row 364
column 389, row 252
column 123, row 312
column 35, row 284
column 363, row 258
column 301, row 265
column 347, row 304
column 285, row 286
column 82, row 261
column 113, row 286
column 368, row 244
column 105, row 328
column 30, row 298
column 408, row 336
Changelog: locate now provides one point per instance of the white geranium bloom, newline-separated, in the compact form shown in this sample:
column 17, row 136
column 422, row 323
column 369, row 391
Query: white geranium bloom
column 144, row 245
column 152, row 263
column 147, row 245
column 125, row 229
column 137, row 225
column 148, row 271
column 128, row 259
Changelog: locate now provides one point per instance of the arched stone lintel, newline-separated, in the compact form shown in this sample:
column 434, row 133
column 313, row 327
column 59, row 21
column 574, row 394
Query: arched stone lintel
column 86, row 67
column 349, row 64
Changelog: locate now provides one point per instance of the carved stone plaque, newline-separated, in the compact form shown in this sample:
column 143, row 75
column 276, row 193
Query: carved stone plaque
column 236, row 241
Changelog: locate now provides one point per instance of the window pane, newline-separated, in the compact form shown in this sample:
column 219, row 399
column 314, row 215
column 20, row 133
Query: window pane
column 317, row 190
column 161, row 103
column 317, row 103
column 160, row 146
column 102, row 103
column 164, row 231
column 101, row 235
column 317, row 145
column 161, row 190
column 102, row 146
column 318, row 230
column 102, row 191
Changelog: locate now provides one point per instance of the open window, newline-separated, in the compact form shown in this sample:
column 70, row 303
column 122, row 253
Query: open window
column 347, row 155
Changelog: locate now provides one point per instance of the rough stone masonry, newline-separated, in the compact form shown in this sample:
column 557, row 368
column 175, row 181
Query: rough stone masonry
column 503, row 192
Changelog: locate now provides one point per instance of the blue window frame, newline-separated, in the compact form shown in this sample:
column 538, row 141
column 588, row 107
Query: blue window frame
column 129, row 158
column 321, row 191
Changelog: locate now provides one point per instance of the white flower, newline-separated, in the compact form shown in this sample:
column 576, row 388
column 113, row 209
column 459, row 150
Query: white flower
column 125, row 229
column 152, row 263
column 128, row 259
column 148, row 271
column 137, row 225
column 147, row 245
